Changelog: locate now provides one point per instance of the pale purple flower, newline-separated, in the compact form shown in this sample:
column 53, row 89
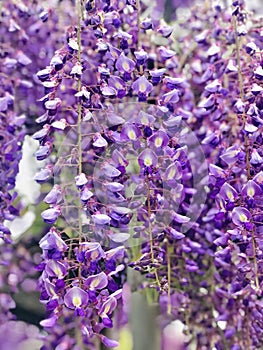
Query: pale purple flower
column 52, row 241
column 54, row 196
column 259, row 73
column 147, row 158
column 157, row 75
column 114, row 186
column 101, row 219
column 53, row 104
column 159, row 139
column 43, row 175
column 99, row 141
column 50, row 215
column 171, row 97
column 109, row 343
column 251, row 189
column 166, row 31
column 130, row 132
column 76, row 298
column 83, row 93
column 227, row 192
column 241, row 216
column 110, row 171
column 86, row 194
column 81, row 180
column 166, row 53
column 141, row 56
column 125, row 64
column 98, row 281
column 92, row 250
column 56, row 269
column 142, row 87
column 106, row 309
column 108, row 91
column 118, row 85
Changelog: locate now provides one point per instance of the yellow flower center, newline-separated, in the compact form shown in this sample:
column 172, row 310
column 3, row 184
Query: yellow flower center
column 148, row 161
column 76, row 301
column 158, row 141
column 131, row 135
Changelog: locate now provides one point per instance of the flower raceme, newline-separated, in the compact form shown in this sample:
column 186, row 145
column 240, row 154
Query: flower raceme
column 120, row 95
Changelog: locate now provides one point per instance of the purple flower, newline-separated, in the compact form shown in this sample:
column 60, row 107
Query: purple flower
column 181, row 219
column 42, row 133
column 86, row 194
column 228, row 193
column 173, row 173
column 50, row 215
column 98, row 281
column 170, row 97
column 106, row 309
column 256, row 158
column 44, row 73
column 159, row 139
column 130, row 132
column 241, row 216
column 259, row 73
column 110, row 171
column 166, row 53
column 125, row 64
column 108, row 91
column 147, row 158
column 99, row 141
column 50, row 288
column 101, row 219
column 141, row 56
column 157, row 75
column 230, row 156
column 76, row 298
column 54, row 196
column 56, row 269
column 207, row 102
column 84, row 94
column 146, row 23
column 92, row 250
column 175, row 234
column 114, row 186
column 166, row 31
column 251, row 189
column 53, row 104
column 52, row 241
column 115, row 253
column 43, row 175
column 118, row 85
column 110, row 343
column 81, row 180
column 142, row 87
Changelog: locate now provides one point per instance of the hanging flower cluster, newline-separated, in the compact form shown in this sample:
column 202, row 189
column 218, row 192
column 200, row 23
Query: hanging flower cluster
column 23, row 25
column 136, row 177
column 152, row 140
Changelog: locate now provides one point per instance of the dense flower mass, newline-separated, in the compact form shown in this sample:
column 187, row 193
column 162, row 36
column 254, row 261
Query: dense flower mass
column 150, row 141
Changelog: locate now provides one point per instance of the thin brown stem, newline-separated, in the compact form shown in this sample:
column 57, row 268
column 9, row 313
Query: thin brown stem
column 150, row 228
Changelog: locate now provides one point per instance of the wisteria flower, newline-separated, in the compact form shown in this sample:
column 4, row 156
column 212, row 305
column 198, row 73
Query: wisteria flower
column 142, row 87
column 77, row 299
column 242, row 217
